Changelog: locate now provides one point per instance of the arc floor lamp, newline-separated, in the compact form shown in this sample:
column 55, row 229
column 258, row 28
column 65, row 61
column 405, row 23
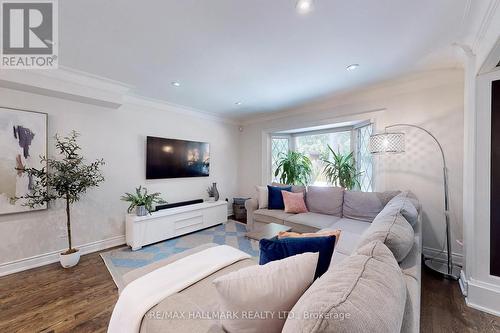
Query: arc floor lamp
column 394, row 142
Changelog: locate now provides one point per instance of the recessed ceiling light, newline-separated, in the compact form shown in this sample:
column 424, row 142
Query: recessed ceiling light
column 238, row 103
column 352, row 67
column 176, row 84
column 304, row 6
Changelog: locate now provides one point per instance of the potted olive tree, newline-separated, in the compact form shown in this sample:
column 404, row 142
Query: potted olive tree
column 66, row 178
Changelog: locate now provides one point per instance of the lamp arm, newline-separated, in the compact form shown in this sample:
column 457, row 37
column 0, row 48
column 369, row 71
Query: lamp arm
column 446, row 203
column 426, row 131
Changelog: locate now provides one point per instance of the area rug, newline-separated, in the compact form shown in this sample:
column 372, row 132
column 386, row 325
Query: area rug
column 123, row 260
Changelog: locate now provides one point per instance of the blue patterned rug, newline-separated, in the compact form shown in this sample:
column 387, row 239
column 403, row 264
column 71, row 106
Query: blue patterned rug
column 124, row 260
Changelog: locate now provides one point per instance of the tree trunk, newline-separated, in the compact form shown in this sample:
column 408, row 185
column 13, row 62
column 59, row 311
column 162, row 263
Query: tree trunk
column 68, row 222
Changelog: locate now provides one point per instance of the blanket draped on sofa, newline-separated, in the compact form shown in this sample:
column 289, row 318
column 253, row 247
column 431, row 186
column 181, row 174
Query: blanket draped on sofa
column 142, row 294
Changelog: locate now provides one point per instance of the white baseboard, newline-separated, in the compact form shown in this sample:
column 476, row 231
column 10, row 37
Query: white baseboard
column 442, row 256
column 51, row 257
column 462, row 281
column 483, row 296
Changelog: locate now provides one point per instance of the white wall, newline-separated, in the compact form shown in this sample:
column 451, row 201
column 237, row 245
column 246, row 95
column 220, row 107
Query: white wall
column 118, row 136
column 433, row 100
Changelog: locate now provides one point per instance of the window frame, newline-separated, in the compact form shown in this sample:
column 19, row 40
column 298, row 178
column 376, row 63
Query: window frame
column 353, row 129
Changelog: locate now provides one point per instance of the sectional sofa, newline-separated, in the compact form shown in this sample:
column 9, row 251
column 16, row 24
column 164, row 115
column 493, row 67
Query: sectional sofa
column 374, row 275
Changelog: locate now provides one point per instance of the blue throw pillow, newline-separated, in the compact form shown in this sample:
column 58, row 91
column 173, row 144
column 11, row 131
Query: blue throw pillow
column 277, row 249
column 275, row 197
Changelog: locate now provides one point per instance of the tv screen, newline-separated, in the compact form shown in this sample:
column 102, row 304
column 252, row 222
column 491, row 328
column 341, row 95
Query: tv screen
column 171, row 158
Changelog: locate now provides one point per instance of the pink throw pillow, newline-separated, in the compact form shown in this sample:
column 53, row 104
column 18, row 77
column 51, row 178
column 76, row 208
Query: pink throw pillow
column 294, row 202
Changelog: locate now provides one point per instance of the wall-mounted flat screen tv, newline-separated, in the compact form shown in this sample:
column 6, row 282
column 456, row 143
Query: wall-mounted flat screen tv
column 171, row 158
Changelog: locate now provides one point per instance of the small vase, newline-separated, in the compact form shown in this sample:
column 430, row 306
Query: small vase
column 216, row 192
column 141, row 211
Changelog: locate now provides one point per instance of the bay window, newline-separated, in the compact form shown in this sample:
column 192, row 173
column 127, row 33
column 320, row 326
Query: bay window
column 314, row 144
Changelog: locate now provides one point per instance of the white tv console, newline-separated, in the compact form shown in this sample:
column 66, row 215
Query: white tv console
column 173, row 222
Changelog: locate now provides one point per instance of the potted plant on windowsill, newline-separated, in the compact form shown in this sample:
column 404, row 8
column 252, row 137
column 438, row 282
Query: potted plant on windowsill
column 66, row 178
column 294, row 168
column 341, row 170
column 141, row 202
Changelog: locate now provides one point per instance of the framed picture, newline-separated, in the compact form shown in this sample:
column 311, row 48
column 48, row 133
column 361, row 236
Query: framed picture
column 23, row 139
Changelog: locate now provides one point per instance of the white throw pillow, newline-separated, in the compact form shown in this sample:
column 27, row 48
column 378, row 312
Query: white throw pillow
column 261, row 296
column 262, row 196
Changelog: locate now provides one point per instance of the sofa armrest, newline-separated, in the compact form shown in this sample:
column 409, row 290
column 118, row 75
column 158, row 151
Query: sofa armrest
column 251, row 205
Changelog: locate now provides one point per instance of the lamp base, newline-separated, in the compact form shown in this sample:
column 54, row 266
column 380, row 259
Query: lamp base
column 442, row 268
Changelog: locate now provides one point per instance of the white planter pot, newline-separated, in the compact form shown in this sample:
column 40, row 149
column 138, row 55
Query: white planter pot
column 69, row 260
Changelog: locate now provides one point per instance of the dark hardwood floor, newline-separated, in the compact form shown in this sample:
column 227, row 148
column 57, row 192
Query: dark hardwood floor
column 80, row 299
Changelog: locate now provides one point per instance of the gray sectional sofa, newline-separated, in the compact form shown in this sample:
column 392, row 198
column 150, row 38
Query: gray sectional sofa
column 374, row 273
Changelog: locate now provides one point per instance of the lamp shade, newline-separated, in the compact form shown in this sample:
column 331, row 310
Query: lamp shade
column 387, row 143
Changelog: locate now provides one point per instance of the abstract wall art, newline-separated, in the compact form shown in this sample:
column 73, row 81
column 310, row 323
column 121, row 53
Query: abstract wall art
column 23, row 139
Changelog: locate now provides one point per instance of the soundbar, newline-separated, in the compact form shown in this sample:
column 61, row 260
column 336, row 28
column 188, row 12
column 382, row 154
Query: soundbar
column 178, row 204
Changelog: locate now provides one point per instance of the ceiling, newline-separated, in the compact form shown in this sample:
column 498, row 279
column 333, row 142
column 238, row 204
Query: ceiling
column 260, row 52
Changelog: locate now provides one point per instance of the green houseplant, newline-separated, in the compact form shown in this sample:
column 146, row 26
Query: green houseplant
column 341, row 170
column 141, row 201
column 66, row 178
column 294, row 168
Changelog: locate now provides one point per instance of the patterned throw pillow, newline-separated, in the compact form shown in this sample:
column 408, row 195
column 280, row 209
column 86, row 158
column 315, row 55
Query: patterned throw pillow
column 294, row 202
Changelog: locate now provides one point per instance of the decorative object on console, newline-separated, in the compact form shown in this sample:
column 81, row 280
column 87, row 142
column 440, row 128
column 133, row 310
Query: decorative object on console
column 141, row 201
column 276, row 249
column 213, row 193
column 341, row 170
column 23, row 137
column 388, row 142
column 67, row 178
column 275, row 198
column 294, row 168
column 294, row 202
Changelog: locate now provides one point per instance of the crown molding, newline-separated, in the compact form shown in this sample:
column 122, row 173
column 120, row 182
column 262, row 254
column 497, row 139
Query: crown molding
column 485, row 23
column 75, row 85
column 361, row 95
column 145, row 102
column 66, row 83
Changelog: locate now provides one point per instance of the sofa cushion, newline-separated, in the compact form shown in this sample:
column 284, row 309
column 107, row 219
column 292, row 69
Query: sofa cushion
column 270, row 216
column 325, row 200
column 277, row 249
column 351, row 231
column 402, row 203
column 310, row 222
column 354, row 226
column 199, row 297
column 294, row 202
column 269, row 288
column 295, row 188
column 365, row 292
column 262, row 196
column 365, row 206
column 393, row 231
column 275, row 196
column 411, row 315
